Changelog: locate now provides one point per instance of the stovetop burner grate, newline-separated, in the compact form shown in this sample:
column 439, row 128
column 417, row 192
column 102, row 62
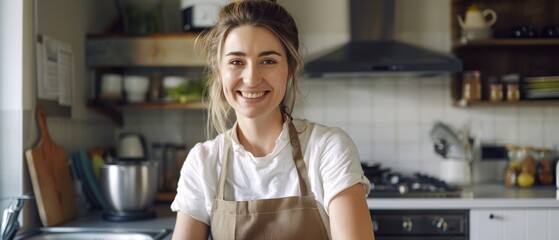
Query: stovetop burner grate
column 388, row 184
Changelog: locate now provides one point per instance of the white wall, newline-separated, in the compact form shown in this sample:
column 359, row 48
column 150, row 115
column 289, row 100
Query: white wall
column 68, row 21
column 11, row 107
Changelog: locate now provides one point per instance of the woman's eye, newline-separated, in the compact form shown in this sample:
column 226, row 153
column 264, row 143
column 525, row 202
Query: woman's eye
column 235, row 62
column 269, row 61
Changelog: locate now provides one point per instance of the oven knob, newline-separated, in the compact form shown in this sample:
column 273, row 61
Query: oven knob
column 407, row 224
column 375, row 226
column 441, row 224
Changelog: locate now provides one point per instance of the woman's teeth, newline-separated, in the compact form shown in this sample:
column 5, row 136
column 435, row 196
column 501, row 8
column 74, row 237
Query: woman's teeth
column 252, row 95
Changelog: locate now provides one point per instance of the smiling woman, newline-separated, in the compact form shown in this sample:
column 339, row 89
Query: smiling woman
column 269, row 176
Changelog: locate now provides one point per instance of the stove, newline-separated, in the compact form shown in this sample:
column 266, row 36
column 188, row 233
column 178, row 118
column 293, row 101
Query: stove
column 388, row 184
column 415, row 224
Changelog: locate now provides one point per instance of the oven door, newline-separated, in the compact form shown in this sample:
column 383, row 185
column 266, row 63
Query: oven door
column 420, row 224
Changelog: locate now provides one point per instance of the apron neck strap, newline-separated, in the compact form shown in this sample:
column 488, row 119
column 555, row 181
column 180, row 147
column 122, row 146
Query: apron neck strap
column 297, row 158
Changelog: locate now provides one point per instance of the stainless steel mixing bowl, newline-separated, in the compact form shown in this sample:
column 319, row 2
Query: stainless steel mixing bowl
column 129, row 186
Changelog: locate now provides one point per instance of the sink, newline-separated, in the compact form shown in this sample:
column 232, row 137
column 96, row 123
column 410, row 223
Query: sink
column 87, row 233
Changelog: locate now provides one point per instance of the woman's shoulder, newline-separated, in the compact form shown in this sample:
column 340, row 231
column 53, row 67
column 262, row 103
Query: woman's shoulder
column 209, row 150
column 317, row 129
column 319, row 134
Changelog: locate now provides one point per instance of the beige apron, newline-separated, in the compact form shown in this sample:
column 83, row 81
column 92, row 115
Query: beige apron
column 294, row 217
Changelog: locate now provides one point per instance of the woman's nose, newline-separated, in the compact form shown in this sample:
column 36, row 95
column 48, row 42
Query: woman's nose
column 252, row 76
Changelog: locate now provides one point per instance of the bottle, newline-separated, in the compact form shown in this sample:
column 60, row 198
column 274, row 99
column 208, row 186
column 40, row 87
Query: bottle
column 471, row 85
column 156, row 87
column 545, row 167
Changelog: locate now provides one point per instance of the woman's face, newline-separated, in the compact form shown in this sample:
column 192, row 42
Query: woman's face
column 254, row 72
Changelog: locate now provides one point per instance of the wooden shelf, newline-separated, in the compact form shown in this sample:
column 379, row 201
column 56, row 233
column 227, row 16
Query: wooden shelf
column 509, row 42
column 521, row 103
column 114, row 110
column 503, row 54
column 155, row 50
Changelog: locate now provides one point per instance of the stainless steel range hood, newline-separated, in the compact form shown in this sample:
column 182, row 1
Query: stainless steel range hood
column 372, row 50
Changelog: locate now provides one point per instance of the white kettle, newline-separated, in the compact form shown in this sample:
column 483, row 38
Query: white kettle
column 477, row 24
column 475, row 18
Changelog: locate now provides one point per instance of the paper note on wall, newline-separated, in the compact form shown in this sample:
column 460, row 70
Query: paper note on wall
column 55, row 70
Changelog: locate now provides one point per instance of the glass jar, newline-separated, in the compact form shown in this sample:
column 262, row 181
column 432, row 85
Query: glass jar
column 528, row 160
column 513, row 92
column 471, row 85
column 513, row 153
column 495, row 90
column 510, row 174
column 512, row 86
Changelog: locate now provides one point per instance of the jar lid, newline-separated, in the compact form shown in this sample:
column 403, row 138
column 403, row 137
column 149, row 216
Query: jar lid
column 511, row 78
column 492, row 80
column 472, row 73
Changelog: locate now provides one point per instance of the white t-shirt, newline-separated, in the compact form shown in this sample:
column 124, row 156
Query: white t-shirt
column 330, row 156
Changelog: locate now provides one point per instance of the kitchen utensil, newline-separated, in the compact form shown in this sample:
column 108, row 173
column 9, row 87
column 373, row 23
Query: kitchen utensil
column 129, row 189
column 88, row 176
column 132, row 147
column 447, row 142
column 50, row 177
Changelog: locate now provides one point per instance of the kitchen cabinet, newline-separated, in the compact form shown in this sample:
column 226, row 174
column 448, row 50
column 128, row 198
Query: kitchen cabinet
column 145, row 54
column 511, row 224
column 502, row 54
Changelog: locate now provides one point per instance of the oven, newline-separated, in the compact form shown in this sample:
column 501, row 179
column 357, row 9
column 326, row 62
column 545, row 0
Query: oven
column 432, row 224
column 420, row 224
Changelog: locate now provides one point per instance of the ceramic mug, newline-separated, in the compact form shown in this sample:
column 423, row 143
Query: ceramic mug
column 111, row 86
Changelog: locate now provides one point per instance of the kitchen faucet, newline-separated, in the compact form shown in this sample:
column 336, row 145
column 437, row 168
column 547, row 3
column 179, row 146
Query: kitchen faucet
column 10, row 224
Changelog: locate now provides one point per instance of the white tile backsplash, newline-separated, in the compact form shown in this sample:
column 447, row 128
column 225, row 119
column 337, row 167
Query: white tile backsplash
column 389, row 119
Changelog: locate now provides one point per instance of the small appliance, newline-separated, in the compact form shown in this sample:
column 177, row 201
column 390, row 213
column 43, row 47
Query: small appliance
column 129, row 189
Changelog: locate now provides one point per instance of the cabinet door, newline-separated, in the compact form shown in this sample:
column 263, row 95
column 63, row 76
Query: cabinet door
column 486, row 224
column 513, row 224
column 553, row 224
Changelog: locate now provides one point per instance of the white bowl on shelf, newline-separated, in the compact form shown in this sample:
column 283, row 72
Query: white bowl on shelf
column 136, row 88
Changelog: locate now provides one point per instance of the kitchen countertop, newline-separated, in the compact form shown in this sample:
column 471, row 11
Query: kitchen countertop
column 479, row 196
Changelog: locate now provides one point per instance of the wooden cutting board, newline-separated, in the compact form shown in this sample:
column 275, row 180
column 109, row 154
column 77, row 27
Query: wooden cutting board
column 50, row 176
